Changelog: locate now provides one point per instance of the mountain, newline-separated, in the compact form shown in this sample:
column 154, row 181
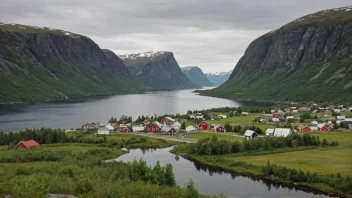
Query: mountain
column 38, row 63
column 218, row 78
column 157, row 70
column 309, row 59
column 196, row 75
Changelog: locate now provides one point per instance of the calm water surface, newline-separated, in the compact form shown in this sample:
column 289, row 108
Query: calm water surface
column 73, row 113
column 211, row 182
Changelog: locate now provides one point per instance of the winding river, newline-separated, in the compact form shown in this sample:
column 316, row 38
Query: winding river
column 213, row 182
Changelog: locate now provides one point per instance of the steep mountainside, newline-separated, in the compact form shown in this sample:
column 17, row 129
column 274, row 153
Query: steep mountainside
column 157, row 70
column 43, row 64
column 218, row 78
column 309, row 59
column 196, row 75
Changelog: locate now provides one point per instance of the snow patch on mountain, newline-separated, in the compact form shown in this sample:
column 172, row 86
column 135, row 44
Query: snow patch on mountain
column 150, row 54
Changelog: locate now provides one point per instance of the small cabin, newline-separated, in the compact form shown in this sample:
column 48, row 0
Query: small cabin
column 27, row 144
column 103, row 131
column 249, row 134
column 191, row 129
column 219, row 128
column 203, row 126
column 305, row 129
column 127, row 130
column 154, row 127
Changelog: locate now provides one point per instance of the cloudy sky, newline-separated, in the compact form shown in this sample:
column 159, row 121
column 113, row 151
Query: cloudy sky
column 212, row 34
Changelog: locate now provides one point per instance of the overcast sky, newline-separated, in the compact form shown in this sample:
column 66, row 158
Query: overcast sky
column 212, row 34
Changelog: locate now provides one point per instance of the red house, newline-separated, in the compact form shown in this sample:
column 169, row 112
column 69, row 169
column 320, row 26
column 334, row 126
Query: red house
column 220, row 129
column 127, row 130
column 276, row 115
column 146, row 122
column 305, row 129
column 154, row 127
column 323, row 127
column 203, row 126
column 27, row 144
column 167, row 120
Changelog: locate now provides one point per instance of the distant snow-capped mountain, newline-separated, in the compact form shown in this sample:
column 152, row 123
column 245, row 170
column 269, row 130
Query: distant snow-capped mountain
column 196, row 75
column 219, row 77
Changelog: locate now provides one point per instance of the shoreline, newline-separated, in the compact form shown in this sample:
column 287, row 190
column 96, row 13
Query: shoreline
column 277, row 180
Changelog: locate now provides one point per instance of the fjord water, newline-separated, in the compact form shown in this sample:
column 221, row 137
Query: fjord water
column 73, row 113
column 212, row 182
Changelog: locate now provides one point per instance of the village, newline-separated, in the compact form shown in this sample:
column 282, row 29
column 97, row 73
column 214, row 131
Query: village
column 242, row 122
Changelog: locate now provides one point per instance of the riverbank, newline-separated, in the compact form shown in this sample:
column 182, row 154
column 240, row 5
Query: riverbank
column 224, row 163
column 255, row 172
column 68, row 168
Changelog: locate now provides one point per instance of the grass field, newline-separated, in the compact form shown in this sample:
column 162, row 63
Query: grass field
column 75, row 148
column 225, row 136
column 323, row 160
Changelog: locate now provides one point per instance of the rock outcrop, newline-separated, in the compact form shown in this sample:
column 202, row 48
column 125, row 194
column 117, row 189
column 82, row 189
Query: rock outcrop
column 196, row 75
column 44, row 64
column 307, row 59
column 157, row 70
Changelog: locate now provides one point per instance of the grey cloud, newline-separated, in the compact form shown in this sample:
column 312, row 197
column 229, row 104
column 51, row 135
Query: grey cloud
column 212, row 34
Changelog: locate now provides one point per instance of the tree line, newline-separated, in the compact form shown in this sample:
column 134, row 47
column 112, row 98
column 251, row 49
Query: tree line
column 343, row 184
column 213, row 146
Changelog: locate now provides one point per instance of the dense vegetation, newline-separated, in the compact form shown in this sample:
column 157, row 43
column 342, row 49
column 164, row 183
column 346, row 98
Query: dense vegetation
column 84, row 174
column 212, row 146
column 343, row 184
column 50, row 136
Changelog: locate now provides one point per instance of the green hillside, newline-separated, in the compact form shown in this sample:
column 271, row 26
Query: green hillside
column 308, row 59
column 46, row 64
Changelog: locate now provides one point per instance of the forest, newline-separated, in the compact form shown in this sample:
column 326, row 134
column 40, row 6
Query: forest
column 213, row 146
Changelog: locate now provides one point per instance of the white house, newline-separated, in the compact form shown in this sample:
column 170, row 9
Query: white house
column 199, row 116
column 269, row 132
column 249, row 134
column 315, row 122
column 275, row 119
column 103, row 131
column 293, row 107
column 348, row 120
column 340, row 117
column 137, row 128
column 176, row 124
column 314, row 128
column 245, row 113
column 350, row 109
column 295, row 111
column 290, row 117
column 191, row 129
column 110, row 127
column 337, row 110
column 222, row 116
column 282, row 132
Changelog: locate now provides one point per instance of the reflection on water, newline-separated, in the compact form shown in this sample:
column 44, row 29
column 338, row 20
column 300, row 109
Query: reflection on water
column 73, row 113
column 213, row 181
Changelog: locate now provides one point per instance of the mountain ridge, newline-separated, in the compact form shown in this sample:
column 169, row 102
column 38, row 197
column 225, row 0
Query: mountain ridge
column 196, row 75
column 308, row 59
column 38, row 63
column 157, row 70
column 218, row 78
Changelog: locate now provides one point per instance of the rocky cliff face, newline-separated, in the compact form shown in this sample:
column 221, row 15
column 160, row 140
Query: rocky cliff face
column 307, row 59
column 157, row 70
column 196, row 75
column 43, row 64
column 218, row 78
